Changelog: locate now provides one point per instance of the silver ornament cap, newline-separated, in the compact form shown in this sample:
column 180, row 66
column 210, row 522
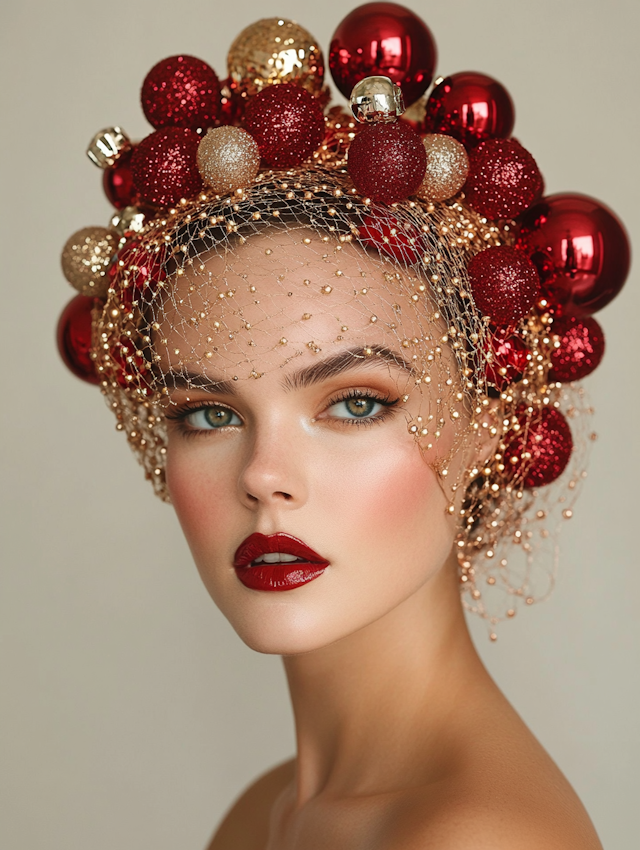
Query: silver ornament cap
column 107, row 145
column 376, row 99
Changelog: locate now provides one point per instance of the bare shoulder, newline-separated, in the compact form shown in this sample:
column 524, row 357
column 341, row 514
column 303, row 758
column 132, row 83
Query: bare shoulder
column 246, row 824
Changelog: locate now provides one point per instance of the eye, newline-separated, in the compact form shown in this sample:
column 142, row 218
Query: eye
column 211, row 417
column 356, row 407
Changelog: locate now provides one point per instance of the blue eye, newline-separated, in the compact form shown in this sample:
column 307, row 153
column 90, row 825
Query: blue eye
column 357, row 407
column 212, row 417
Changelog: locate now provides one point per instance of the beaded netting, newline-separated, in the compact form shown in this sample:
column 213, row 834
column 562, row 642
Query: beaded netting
column 299, row 266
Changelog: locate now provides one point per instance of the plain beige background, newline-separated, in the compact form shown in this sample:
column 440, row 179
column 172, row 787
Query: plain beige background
column 130, row 713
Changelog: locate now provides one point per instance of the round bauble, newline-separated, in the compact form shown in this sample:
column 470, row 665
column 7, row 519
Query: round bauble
column 399, row 240
column 447, row 168
column 503, row 180
column 164, row 166
column 287, row 123
column 504, row 284
column 181, row 91
column 86, row 258
column 275, row 50
column 507, row 358
column 383, row 39
column 578, row 348
column 74, row 338
column 228, row 159
column 118, row 183
column 471, row 107
column 387, row 162
column 580, row 249
column 539, row 451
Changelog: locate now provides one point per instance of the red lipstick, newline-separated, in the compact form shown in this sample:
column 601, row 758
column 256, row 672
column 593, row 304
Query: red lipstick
column 300, row 566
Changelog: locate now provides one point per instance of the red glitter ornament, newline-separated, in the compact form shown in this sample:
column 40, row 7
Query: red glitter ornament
column 507, row 358
column 383, row 39
column 74, row 338
column 503, row 179
column 540, row 450
column 471, row 107
column 181, row 91
column 580, row 350
column 400, row 241
column 387, row 162
column 118, row 182
column 287, row 123
column 580, row 249
column 164, row 166
column 504, row 284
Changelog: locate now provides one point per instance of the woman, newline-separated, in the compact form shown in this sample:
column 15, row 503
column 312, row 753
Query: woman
column 350, row 424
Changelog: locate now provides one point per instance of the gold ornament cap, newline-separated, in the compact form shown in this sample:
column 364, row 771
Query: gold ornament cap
column 106, row 147
column 376, row 99
column 128, row 220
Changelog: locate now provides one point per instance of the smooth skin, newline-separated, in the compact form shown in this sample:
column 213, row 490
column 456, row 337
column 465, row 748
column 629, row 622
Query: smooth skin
column 403, row 739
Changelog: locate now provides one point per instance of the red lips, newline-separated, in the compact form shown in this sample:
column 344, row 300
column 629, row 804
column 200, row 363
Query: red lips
column 282, row 575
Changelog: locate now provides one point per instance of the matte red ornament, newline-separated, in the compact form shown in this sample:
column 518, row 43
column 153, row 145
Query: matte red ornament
column 504, row 284
column 508, row 357
column 164, row 166
column 383, row 39
column 580, row 350
column 400, row 241
column 387, row 162
column 541, row 449
column 471, row 107
column 580, row 249
column 118, row 182
column 181, row 91
column 503, row 179
column 287, row 123
column 74, row 338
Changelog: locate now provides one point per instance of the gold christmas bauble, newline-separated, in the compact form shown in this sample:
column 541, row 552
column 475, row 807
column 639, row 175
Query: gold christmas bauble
column 228, row 159
column 275, row 50
column 86, row 258
column 447, row 168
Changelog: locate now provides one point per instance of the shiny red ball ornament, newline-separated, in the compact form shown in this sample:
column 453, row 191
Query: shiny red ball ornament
column 383, row 39
column 134, row 269
column 181, row 91
column 164, row 166
column 504, row 284
column 507, row 358
column 540, row 450
column 399, row 240
column 503, row 180
column 387, row 162
column 471, row 107
column 132, row 366
column 231, row 105
column 580, row 249
column 287, row 122
column 74, row 338
column 580, row 350
column 118, row 182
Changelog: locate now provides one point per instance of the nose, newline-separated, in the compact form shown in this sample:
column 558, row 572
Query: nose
column 274, row 473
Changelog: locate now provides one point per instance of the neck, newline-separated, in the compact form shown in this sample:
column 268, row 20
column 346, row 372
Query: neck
column 370, row 710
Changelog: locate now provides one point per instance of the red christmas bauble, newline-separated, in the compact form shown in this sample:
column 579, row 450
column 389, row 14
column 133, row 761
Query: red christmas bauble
column 118, row 182
column 181, row 91
column 471, row 107
column 231, row 105
column 383, row 39
column 507, row 358
column 400, row 241
column 74, row 338
column 132, row 366
column 580, row 249
column 503, row 179
column 164, row 166
column 504, row 284
column 540, row 450
column 387, row 162
column 580, row 351
column 133, row 269
column 287, row 123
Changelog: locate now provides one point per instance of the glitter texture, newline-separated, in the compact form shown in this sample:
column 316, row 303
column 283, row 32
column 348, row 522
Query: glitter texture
column 387, row 162
column 504, row 283
column 228, row 159
column 580, row 348
column 85, row 259
column 164, row 166
column 181, row 91
column 447, row 168
column 541, row 447
column 503, row 179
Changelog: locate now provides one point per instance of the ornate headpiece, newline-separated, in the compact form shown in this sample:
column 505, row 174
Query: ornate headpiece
column 440, row 192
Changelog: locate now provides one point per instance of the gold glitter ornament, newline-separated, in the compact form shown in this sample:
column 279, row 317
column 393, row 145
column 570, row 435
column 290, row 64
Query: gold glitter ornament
column 447, row 168
column 85, row 259
column 106, row 147
column 228, row 159
column 275, row 50
column 128, row 220
column 376, row 99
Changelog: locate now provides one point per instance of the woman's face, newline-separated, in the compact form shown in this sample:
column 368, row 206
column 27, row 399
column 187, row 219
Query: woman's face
column 292, row 416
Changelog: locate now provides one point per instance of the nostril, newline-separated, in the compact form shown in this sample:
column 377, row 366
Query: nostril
column 285, row 496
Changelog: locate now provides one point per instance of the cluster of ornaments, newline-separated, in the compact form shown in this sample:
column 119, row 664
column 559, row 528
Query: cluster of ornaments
column 570, row 256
